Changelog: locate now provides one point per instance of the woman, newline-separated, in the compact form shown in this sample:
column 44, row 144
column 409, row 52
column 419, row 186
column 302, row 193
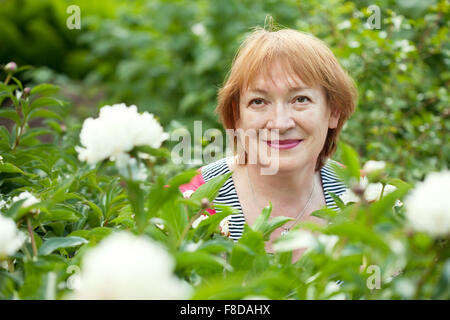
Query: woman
column 288, row 90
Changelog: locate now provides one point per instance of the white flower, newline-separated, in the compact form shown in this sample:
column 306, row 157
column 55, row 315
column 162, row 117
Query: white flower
column 328, row 241
column 127, row 165
column 30, row 199
column 118, row 129
column 428, row 205
column 198, row 29
column 374, row 166
column 224, row 227
column 293, row 240
column 344, row 25
column 124, row 266
column 187, row 194
column 199, row 219
column 331, row 288
column 193, row 246
column 349, row 196
column 11, row 239
column 372, row 191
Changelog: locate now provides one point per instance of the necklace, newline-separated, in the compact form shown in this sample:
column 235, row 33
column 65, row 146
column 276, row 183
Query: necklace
column 298, row 217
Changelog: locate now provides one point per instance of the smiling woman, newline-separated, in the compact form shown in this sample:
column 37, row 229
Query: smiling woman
column 287, row 98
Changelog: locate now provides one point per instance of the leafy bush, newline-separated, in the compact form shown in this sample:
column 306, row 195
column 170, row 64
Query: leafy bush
column 56, row 210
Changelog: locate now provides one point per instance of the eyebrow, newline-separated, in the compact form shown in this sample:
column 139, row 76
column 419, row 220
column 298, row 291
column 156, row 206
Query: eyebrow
column 258, row 90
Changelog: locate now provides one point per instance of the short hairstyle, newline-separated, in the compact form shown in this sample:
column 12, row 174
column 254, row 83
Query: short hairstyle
column 308, row 57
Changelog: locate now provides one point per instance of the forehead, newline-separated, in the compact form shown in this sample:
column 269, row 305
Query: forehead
column 275, row 76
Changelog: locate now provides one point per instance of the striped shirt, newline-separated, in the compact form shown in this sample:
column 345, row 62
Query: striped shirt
column 228, row 196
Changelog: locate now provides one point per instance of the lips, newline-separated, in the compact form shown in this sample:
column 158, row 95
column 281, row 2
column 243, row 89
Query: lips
column 283, row 144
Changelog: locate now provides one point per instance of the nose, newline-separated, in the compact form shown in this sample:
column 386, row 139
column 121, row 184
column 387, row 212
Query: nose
column 281, row 118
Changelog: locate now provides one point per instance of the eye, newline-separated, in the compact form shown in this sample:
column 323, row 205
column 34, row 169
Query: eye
column 302, row 99
column 257, row 102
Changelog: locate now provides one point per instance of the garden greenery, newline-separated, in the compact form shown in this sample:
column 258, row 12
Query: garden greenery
column 71, row 229
column 67, row 199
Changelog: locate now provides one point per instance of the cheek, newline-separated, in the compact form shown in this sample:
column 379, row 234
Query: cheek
column 250, row 120
column 313, row 123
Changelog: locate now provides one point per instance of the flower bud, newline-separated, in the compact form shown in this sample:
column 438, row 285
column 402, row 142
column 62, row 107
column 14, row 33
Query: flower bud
column 26, row 92
column 205, row 203
column 358, row 190
column 372, row 166
column 11, row 67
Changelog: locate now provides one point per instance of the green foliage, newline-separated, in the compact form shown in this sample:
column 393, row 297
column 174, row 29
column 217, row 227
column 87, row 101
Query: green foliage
column 169, row 57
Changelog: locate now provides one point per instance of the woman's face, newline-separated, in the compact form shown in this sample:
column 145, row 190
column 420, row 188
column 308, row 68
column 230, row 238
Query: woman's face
column 298, row 113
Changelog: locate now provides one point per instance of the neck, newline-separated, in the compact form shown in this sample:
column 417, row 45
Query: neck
column 288, row 187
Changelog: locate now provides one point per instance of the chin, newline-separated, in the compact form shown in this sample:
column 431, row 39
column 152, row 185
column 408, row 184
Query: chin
column 282, row 164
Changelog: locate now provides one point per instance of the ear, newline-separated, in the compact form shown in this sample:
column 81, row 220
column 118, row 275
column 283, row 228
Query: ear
column 333, row 120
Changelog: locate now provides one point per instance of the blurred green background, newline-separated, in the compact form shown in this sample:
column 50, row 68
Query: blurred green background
column 170, row 57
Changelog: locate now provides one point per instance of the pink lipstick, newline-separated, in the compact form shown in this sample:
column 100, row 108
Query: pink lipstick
column 283, row 144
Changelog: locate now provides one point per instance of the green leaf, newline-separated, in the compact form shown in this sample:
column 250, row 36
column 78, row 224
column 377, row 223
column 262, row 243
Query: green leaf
column 159, row 152
column 207, row 227
column 325, row 213
column 52, row 244
column 388, row 200
column 44, row 89
column 14, row 209
column 45, row 102
column 262, row 218
column 57, row 215
column 17, row 81
column 337, row 200
column 10, row 114
column 4, row 135
column 44, row 113
column 200, row 260
column 351, row 160
column 248, row 247
column 273, row 224
column 10, row 168
column 30, row 134
column 210, row 189
column 358, row 233
column 175, row 217
column 217, row 245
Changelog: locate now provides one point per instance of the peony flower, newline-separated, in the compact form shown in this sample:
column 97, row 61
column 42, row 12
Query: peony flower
column 372, row 191
column 293, row 240
column 11, row 239
column 349, row 196
column 224, row 227
column 374, row 166
column 428, row 205
column 129, row 167
column 124, row 266
column 117, row 130
column 198, row 220
column 331, row 289
column 11, row 66
column 30, row 200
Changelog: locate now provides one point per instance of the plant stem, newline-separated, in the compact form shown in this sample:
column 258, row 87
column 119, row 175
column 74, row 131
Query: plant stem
column 10, row 265
column 427, row 274
column 33, row 241
column 8, row 77
column 186, row 229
